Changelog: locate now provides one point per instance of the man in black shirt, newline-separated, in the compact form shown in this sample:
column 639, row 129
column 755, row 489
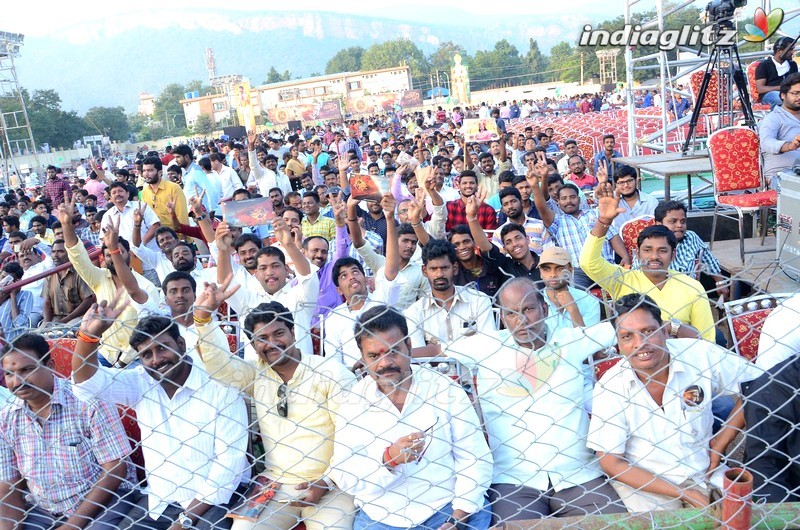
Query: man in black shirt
column 773, row 70
column 474, row 268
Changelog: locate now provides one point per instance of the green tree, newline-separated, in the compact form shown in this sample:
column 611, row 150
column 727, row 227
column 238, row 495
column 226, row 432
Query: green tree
column 203, row 124
column 347, row 60
column 109, row 121
column 168, row 109
column 393, row 53
column 497, row 67
column 536, row 61
column 442, row 58
column 273, row 76
column 199, row 86
column 565, row 62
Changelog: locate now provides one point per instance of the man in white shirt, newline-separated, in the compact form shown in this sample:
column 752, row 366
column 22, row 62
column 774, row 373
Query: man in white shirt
column 779, row 339
column 228, row 178
column 532, row 392
column 651, row 413
column 350, row 281
column 449, row 312
column 121, row 213
column 271, row 282
column 408, row 443
column 194, row 430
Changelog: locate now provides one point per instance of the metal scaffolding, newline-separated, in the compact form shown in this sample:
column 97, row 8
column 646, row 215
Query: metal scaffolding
column 16, row 136
column 659, row 62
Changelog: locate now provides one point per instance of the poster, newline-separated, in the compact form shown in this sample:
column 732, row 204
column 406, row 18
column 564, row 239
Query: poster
column 388, row 102
column 324, row 111
column 244, row 106
column 368, row 188
column 250, row 212
column 459, row 86
column 477, row 130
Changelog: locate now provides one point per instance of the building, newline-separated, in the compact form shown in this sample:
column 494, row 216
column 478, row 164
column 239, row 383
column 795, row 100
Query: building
column 147, row 104
column 298, row 95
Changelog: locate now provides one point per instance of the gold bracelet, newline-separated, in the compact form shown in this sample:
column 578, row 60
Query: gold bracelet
column 202, row 321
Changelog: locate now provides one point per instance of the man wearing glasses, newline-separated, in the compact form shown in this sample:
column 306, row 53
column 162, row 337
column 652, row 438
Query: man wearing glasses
column 408, row 445
column 636, row 203
column 296, row 396
column 779, row 132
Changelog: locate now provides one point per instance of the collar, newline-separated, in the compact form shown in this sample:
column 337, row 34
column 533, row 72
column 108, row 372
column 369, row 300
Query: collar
column 629, row 377
column 460, row 295
column 60, row 396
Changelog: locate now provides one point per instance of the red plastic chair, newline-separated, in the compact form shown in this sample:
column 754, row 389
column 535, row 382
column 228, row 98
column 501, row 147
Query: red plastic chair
column 746, row 319
column 751, row 84
column 603, row 366
column 630, row 230
column 61, row 355
column 738, row 184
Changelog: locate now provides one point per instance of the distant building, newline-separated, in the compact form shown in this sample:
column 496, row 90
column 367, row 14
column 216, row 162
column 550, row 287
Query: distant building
column 147, row 104
column 309, row 91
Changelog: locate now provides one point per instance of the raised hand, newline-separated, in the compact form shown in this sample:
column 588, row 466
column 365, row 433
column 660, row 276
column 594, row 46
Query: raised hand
column 212, row 297
column 607, row 202
column 101, row 316
column 138, row 214
column 339, row 208
column 388, row 203
column 602, row 172
column 111, row 233
column 282, row 232
column 171, row 208
column 416, row 207
column 472, row 207
column 66, row 210
column 196, row 202
column 252, row 138
column 223, row 237
column 344, row 164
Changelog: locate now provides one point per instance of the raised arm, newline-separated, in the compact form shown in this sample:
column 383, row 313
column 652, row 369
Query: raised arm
column 472, row 207
column 224, row 241
column 300, row 263
column 392, row 267
column 65, row 210
column 340, row 215
column 503, row 151
column 415, row 214
column 95, row 322
column 352, row 223
column 124, row 272
column 537, row 179
column 201, row 217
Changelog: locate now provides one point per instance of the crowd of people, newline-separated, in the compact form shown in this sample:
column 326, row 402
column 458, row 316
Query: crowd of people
column 486, row 258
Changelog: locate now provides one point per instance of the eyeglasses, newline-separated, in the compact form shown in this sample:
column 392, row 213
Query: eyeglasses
column 428, row 434
column 625, row 182
column 283, row 404
column 794, row 94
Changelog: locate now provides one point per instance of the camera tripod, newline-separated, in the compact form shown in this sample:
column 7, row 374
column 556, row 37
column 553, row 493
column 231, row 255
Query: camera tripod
column 725, row 60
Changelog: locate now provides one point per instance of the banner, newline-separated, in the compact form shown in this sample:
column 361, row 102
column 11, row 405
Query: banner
column 325, row 111
column 480, row 130
column 388, row 102
column 250, row 212
column 368, row 188
column 244, row 106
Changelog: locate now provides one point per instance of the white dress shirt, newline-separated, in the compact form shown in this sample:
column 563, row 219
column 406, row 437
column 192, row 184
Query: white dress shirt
column 671, row 441
column 300, row 298
column 229, row 181
column 266, row 179
column 537, row 435
column 470, row 313
column 411, row 283
column 340, row 340
column 124, row 219
column 163, row 266
column 194, row 445
column 456, row 466
column 779, row 338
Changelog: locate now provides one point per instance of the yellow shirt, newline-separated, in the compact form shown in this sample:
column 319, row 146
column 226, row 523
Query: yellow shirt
column 114, row 344
column 167, row 192
column 297, row 448
column 324, row 226
column 680, row 297
column 47, row 238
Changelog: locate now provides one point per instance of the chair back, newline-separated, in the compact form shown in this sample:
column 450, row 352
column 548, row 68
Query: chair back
column 711, row 99
column 746, row 319
column 735, row 160
column 61, row 354
column 630, row 230
column 751, row 80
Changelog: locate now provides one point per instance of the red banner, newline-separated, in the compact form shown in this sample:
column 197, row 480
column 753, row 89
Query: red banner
column 384, row 102
column 325, row 110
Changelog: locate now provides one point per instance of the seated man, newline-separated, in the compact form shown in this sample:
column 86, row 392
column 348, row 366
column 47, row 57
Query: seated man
column 772, row 71
column 771, row 443
column 16, row 305
column 296, row 397
column 635, row 202
column 680, row 298
column 651, row 413
column 194, row 429
column 449, row 312
column 567, row 307
column 532, row 397
column 473, row 269
column 779, row 132
column 63, row 462
column 66, row 295
column 408, row 443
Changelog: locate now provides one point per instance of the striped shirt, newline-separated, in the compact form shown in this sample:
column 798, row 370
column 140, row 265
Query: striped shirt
column 538, row 236
column 571, row 232
column 61, row 458
column 691, row 249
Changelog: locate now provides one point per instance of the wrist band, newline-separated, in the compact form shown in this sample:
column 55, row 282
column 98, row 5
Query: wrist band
column 115, row 251
column 414, row 225
column 83, row 337
column 604, row 225
column 470, row 220
column 389, row 461
column 722, row 282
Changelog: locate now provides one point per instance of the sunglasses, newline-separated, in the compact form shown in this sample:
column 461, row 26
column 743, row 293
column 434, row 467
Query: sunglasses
column 283, row 404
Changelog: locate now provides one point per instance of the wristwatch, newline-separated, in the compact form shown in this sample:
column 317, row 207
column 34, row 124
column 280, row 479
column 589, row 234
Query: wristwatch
column 185, row 521
column 457, row 524
column 674, row 326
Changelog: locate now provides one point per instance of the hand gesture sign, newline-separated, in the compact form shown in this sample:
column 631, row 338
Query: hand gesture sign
column 223, row 237
column 196, row 202
column 111, row 233
column 416, row 207
column 343, row 165
column 252, row 138
column 607, row 202
column 339, row 207
column 101, row 316
column 388, row 203
column 171, row 208
column 602, row 172
column 138, row 214
column 66, row 210
column 212, row 297
column 472, row 207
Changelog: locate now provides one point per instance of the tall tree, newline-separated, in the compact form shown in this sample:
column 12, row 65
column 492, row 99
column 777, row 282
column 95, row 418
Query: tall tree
column 273, row 76
column 565, row 62
column 442, row 58
column 168, row 109
column 393, row 53
column 199, row 86
column 497, row 67
column 109, row 121
column 203, row 124
column 536, row 61
column 347, row 60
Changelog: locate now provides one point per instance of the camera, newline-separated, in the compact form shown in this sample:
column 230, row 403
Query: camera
column 722, row 10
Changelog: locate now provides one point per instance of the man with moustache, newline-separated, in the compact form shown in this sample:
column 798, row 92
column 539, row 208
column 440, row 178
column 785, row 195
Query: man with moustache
column 635, row 203
column 296, row 396
column 160, row 260
column 66, row 295
column 457, row 210
column 63, row 462
column 779, row 132
column 681, row 298
column 104, row 282
column 651, row 416
column 449, row 311
column 408, row 443
column 158, row 193
column 194, row 429
column 511, row 204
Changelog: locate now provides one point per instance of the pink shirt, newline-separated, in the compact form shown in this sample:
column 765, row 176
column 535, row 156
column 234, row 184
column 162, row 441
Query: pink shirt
column 96, row 188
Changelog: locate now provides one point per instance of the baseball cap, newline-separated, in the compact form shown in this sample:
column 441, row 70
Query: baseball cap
column 555, row 255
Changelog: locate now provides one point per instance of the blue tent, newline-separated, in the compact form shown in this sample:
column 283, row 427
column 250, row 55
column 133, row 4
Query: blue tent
column 437, row 92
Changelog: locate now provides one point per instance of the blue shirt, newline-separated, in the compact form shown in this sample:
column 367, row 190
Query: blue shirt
column 588, row 306
column 195, row 181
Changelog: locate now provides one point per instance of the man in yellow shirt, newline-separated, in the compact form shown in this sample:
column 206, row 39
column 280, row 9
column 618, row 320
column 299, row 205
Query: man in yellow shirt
column 158, row 192
column 681, row 298
column 296, row 398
